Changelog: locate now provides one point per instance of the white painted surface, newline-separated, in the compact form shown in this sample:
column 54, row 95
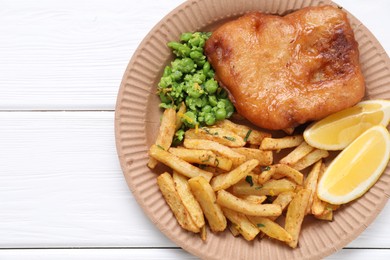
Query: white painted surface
column 60, row 181
column 155, row 254
column 72, row 54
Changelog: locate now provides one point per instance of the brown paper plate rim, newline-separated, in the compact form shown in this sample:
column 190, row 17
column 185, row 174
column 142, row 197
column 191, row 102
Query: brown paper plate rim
column 137, row 121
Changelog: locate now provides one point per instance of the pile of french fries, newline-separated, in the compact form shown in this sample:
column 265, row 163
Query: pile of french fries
column 226, row 175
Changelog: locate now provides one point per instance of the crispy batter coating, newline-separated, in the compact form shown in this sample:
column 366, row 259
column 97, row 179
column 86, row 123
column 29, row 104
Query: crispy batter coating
column 284, row 71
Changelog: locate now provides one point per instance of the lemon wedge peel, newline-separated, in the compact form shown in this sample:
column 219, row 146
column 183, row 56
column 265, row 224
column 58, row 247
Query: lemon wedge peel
column 345, row 180
column 338, row 130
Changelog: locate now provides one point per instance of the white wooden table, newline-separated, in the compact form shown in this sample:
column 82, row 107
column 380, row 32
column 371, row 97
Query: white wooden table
column 62, row 192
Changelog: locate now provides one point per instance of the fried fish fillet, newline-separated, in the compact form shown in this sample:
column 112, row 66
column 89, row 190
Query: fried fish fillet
column 281, row 72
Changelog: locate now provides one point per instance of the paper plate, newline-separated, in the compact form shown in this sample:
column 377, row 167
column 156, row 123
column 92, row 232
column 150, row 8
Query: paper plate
column 137, row 120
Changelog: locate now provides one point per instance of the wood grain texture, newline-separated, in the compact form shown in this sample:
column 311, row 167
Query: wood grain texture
column 61, row 186
column 72, row 54
column 157, row 254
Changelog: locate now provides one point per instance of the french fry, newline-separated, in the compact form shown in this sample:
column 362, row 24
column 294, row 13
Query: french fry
column 326, row 215
column 215, row 147
column 244, row 226
column 167, row 188
column 165, row 133
column 270, row 228
column 189, row 201
column 283, row 200
column 284, row 171
column 252, row 177
column 167, row 129
column 281, row 143
column 332, row 206
column 234, row 230
column 270, row 188
column 215, row 171
column 295, row 214
column 227, row 200
column 203, row 233
column 298, row 153
column 205, row 195
column 264, row 157
column 219, row 135
column 225, row 180
column 204, row 157
column 310, row 159
column 318, row 206
column 266, row 174
column 178, row 164
column 182, row 109
column 254, row 198
column 249, row 135
column 311, row 183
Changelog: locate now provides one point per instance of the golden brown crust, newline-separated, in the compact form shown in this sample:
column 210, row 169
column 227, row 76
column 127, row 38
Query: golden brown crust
column 284, row 71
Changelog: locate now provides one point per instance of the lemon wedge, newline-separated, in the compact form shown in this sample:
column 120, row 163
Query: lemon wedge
column 356, row 168
column 338, row 130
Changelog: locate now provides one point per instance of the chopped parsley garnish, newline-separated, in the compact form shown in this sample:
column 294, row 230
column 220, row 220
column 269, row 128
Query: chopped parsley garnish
column 206, row 130
column 249, row 180
column 266, row 168
column 247, row 135
column 206, row 160
column 258, row 187
column 229, row 138
column 260, row 225
column 202, row 166
column 159, row 146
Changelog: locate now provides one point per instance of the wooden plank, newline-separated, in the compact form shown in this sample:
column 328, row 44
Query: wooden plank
column 61, row 186
column 72, row 54
column 157, row 254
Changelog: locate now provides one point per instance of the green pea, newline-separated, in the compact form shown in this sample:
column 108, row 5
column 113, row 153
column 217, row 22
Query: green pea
column 209, row 119
column 167, row 71
column 199, row 102
column 229, row 109
column 180, row 50
column 185, row 37
column 211, row 86
column 206, row 108
column 165, row 82
column 222, row 93
column 194, row 93
column 194, row 41
column 189, row 118
column 164, row 98
column 201, row 42
column 199, row 78
column 206, row 67
column 186, row 65
column 213, row 100
column 176, row 75
column 210, row 74
column 221, row 104
column 201, row 62
column 220, row 114
column 196, row 55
